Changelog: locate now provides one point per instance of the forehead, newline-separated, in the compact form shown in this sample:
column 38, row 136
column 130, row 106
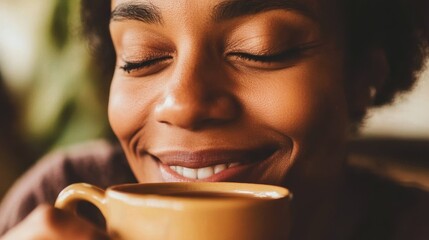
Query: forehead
column 211, row 8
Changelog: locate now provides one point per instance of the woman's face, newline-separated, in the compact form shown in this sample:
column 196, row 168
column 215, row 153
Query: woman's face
column 213, row 90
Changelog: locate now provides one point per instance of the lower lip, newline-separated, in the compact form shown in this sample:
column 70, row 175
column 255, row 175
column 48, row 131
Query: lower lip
column 233, row 174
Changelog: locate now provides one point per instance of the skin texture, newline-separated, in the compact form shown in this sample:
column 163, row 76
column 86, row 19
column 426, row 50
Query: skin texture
column 206, row 97
column 192, row 88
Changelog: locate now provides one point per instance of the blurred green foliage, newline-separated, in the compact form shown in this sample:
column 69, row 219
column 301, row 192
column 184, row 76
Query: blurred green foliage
column 60, row 102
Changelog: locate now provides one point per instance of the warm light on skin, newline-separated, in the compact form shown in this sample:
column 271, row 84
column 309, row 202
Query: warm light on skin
column 205, row 95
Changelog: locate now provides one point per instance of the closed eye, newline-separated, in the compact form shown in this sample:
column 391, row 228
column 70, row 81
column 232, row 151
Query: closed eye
column 132, row 66
column 278, row 60
column 279, row 57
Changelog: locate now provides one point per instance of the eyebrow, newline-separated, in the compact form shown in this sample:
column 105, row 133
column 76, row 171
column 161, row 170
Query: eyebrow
column 143, row 12
column 237, row 8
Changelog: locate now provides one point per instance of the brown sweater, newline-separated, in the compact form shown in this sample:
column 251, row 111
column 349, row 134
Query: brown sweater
column 370, row 208
column 99, row 163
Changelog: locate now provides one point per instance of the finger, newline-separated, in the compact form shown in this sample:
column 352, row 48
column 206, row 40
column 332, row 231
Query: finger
column 49, row 223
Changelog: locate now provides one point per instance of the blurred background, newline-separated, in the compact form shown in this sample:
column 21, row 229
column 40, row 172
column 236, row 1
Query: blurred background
column 50, row 98
column 49, row 94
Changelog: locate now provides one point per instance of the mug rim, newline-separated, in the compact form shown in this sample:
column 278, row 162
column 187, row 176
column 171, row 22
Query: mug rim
column 256, row 192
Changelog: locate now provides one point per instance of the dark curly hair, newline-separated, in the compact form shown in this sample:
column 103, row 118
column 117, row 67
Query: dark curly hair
column 399, row 27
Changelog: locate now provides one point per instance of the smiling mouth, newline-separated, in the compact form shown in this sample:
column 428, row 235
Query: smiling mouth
column 207, row 163
column 202, row 173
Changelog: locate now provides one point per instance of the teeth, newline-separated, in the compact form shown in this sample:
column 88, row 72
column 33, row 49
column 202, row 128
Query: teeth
column 233, row 164
column 219, row 168
column 179, row 170
column 205, row 172
column 190, row 172
column 201, row 173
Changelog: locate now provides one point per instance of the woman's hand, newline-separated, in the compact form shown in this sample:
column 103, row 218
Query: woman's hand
column 47, row 222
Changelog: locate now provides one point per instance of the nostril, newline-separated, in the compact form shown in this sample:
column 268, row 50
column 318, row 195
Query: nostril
column 211, row 122
column 165, row 122
column 196, row 111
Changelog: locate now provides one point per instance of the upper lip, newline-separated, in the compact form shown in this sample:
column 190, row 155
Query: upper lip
column 210, row 157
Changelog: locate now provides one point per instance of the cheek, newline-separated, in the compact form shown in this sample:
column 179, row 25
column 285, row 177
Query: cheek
column 129, row 107
column 306, row 101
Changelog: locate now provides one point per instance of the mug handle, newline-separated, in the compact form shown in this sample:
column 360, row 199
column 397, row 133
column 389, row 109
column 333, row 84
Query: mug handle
column 71, row 195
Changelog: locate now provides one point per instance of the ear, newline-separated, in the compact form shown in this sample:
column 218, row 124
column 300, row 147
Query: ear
column 368, row 75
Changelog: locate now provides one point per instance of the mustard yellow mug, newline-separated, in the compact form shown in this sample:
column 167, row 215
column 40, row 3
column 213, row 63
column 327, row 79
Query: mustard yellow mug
column 187, row 211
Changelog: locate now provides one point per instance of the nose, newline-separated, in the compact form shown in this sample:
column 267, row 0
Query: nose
column 195, row 101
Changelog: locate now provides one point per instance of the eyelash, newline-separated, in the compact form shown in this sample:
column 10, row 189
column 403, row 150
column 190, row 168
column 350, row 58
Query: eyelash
column 271, row 58
column 131, row 66
column 292, row 53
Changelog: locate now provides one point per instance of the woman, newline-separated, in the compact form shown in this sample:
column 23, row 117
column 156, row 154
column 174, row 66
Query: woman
column 248, row 91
